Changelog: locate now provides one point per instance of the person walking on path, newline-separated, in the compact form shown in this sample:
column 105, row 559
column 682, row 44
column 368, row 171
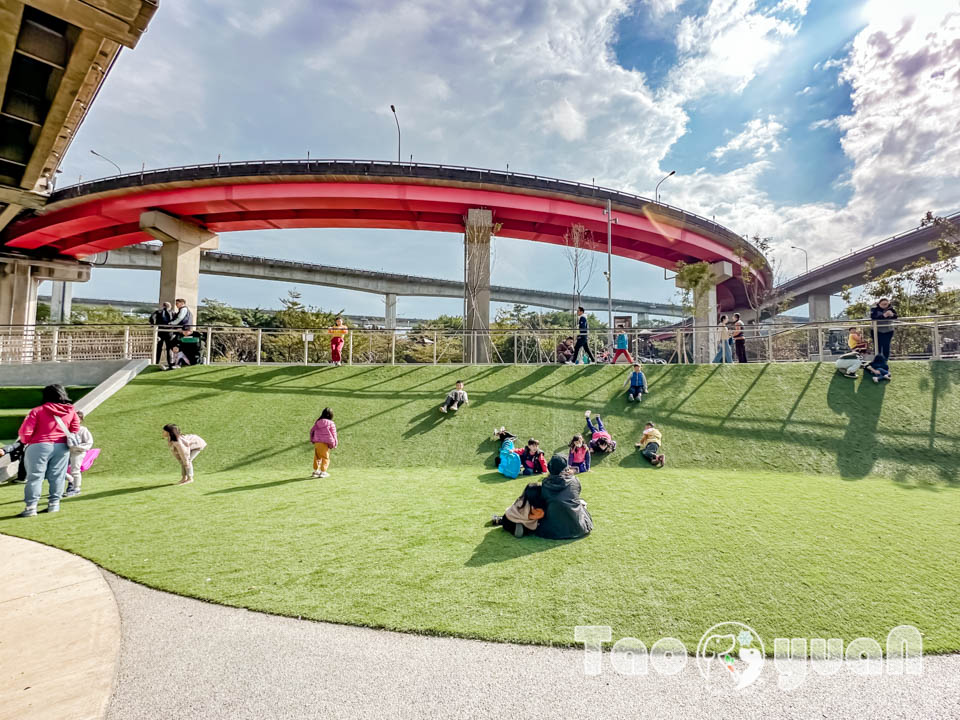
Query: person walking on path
column 323, row 435
column 185, row 448
column 620, row 348
column 724, row 351
column 582, row 337
column 883, row 315
column 739, row 340
column 337, row 333
column 45, row 433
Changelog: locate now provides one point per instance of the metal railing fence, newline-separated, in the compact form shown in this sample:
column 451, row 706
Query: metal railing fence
column 930, row 337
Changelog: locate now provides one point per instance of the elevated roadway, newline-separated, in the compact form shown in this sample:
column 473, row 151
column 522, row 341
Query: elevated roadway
column 148, row 257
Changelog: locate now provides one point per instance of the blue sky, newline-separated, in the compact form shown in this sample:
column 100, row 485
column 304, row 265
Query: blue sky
column 821, row 124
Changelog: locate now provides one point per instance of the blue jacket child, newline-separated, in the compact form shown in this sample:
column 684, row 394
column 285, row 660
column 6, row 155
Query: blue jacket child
column 638, row 384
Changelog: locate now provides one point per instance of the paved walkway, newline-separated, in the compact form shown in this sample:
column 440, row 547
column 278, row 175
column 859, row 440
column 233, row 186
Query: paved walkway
column 182, row 658
column 59, row 634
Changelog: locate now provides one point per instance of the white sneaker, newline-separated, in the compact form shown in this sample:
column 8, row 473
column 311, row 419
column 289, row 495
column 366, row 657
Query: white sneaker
column 324, row 475
column 639, row 398
column 316, row 473
column 587, row 414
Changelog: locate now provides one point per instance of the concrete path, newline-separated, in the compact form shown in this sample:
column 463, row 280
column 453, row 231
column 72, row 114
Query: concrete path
column 59, row 634
column 181, row 658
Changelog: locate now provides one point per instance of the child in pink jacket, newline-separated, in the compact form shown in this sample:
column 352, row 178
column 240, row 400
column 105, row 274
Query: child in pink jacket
column 323, row 435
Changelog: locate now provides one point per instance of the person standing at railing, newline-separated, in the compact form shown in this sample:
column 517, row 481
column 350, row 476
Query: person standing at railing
column 883, row 315
column 582, row 337
column 620, row 346
column 739, row 339
column 724, row 351
column 338, row 332
column 160, row 318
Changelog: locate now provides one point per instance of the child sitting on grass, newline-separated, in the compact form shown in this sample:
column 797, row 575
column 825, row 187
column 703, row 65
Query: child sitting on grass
column 455, row 398
column 877, row 367
column 525, row 513
column 323, row 435
column 650, row 443
column 637, row 382
column 74, row 476
column 531, row 458
column 578, row 461
column 600, row 440
column 185, row 448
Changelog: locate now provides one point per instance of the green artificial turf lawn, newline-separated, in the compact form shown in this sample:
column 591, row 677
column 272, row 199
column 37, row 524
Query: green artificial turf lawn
column 799, row 502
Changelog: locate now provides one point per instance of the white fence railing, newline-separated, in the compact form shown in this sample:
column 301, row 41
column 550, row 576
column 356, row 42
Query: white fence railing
column 931, row 337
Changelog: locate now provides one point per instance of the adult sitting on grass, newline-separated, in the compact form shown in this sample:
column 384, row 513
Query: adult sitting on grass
column 455, row 398
column 44, row 434
column 566, row 514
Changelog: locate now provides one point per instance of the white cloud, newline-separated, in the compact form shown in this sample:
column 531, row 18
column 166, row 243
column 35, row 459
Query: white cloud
column 564, row 119
column 806, row 91
column 659, row 8
column 759, row 137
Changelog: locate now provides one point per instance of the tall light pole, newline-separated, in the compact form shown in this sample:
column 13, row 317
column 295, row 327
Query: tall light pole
column 103, row 157
column 656, row 193
column 394, row 111
column 806, row 258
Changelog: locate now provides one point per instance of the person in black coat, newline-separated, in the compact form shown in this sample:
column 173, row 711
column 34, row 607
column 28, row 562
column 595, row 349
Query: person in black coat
column 883, row 315
column 566, row 514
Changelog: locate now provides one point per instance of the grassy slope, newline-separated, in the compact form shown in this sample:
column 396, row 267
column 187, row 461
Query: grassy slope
column 755, row 520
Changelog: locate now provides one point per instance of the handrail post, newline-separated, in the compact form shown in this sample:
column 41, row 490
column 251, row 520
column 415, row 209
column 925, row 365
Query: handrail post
column 126, row 342
column 209, row 344
column 876, row 340
column 393, row 347
column 259, row 346
column 350, row 349
column 156, row 342
column 936, row 338
column 820, row 342
column 434, row 347
column 54, row 345
column 769, row 346
column 516, row 358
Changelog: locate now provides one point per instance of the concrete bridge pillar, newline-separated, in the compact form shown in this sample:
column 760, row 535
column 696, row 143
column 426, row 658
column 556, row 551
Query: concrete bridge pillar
column 180, row 255
column 390, row 311
column 19, row 280
column 643, row 319
column 705, row 312
column 819, row 307
column 476, row 239
column 61, row 301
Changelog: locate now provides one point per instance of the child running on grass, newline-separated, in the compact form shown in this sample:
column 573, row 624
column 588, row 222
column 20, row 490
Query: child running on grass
column 85, row 443
column 578, row 461
column 185, row 448
column 531, row 458
column 650, row 443
column 637, row 382
column 455, row 398
column 600, row 440
column 323, row 435
column 525, row 513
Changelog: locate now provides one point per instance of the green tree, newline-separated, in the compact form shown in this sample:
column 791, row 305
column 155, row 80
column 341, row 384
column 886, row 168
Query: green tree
column 214, row 312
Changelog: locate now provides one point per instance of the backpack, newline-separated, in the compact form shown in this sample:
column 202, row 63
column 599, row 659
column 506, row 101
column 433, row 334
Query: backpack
column 509, row 461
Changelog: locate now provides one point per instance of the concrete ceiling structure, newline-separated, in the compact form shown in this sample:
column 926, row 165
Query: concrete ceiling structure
column 85, row 219
column 54, row 56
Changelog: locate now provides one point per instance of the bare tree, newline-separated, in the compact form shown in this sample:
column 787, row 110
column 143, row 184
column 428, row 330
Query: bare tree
column 577, row 242
column 760, row 296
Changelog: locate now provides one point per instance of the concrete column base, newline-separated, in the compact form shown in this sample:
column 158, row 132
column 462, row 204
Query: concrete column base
column 19, row 280
column 819, row 307
column 390, row 311
column 705, row 313
column 477, row 234
column 180, row 255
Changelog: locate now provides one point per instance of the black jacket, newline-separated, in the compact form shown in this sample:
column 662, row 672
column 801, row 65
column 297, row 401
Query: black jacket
column 884, row 324
column 566, row 516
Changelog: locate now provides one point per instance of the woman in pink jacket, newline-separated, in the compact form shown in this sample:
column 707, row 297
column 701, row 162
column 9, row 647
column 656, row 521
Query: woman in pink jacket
column 44, row 436
column 323, row 435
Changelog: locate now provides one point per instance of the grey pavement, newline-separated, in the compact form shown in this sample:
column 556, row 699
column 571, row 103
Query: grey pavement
column 182, row 658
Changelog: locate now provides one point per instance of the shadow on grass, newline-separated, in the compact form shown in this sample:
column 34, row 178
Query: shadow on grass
column 427, row 421
column 259, row 486
column 102, row 494
column 500, row 546
column 495, row 476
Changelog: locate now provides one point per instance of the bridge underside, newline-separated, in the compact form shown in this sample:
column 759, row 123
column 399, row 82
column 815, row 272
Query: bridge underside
column 87, row 226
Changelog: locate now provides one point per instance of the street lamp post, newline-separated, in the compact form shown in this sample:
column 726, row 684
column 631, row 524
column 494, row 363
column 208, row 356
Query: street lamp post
column 806, row 258
column 103, row 157
column 394, row 111
column 656, row 193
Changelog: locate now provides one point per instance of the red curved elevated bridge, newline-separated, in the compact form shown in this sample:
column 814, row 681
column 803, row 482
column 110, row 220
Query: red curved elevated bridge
column 105, row 214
